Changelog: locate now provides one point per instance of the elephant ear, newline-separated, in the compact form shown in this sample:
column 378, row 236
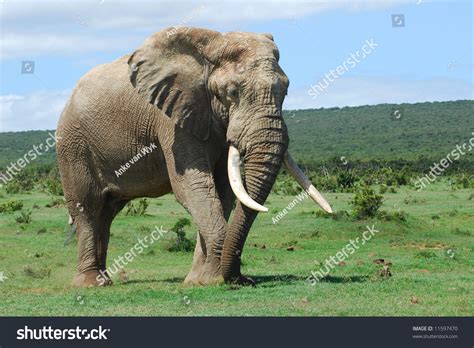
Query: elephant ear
column 171, row 71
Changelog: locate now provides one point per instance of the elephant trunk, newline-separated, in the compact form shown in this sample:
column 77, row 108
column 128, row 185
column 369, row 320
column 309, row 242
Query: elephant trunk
column 264, row 146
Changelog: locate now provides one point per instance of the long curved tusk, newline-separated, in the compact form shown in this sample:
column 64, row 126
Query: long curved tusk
column 233, row 169
column 305, row 183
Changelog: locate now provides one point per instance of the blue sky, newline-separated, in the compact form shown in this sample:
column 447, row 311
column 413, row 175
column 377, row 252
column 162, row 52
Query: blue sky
column 429, row 59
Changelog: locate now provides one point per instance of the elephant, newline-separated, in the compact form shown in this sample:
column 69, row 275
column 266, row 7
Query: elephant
column 211, row 105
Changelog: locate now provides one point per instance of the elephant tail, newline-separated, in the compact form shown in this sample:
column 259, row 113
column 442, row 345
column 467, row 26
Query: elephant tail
column 72, row 231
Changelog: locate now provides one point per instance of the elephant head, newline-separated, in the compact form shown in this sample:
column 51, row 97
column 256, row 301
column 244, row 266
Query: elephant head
column 193, row 75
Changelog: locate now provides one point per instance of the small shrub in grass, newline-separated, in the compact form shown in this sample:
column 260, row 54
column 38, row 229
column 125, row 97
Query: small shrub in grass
column 10, row 206
column 180, row 242
column 400, row 215
column 346, row 179
column 366, row 202
column 21, row 184
column 286, row 185
column 137, row 209
column 12, row 188
column 463, row 181
column 24, row 217
column 326, row 182
column 53, row 186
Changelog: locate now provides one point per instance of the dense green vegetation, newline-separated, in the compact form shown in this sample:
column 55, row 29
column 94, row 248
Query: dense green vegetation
column 363, row 134
column 14, row 145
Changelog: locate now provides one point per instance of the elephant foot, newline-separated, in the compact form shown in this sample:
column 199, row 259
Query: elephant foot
column 208, row 274
column 90, row 278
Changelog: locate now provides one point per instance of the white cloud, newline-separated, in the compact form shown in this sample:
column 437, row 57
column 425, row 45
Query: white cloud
column 38, row 110
column 26, row 45
column 28, row 28
column 353, row 91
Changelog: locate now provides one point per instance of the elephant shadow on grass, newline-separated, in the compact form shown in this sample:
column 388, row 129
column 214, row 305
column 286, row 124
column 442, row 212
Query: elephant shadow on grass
column 345, row 279
column 286, row 279
column 259, row 280
column 143, row 281
column 275, row 280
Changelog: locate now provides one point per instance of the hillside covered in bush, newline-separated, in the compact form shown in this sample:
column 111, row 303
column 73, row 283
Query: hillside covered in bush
column 403, row 134
column 381, row 132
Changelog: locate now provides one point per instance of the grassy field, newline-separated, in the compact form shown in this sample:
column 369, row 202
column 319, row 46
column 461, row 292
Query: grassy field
column 431, row 254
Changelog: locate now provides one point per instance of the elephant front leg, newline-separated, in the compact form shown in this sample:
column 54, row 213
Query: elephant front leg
column 208, row 216
column 196, row 191
column 227, row 199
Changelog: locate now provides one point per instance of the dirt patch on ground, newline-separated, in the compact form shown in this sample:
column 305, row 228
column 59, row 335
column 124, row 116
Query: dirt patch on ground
column 421, row 245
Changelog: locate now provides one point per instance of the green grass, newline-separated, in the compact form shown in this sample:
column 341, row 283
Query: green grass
column 40, row 268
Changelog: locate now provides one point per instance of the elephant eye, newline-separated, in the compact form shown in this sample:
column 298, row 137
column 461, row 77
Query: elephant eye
column 232, row 92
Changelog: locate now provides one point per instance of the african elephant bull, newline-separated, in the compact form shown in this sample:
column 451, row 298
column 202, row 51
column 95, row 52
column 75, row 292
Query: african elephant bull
column 205, row 100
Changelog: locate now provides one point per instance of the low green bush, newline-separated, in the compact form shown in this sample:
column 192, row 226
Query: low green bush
column 366, row 202
column 180, row 242
column 24, row 217
column 137, row 209
column 22, row 183
column 10, row 206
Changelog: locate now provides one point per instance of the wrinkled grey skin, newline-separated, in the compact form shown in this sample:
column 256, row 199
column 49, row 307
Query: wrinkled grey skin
column 192, row 93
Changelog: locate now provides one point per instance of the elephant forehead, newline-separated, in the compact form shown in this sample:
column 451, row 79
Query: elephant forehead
column 258, row 43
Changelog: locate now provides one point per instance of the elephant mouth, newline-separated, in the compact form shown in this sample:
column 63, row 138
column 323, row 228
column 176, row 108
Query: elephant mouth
column 233, row 169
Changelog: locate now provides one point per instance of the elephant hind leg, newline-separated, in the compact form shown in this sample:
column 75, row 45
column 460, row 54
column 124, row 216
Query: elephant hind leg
column 88, row 244
column 110, row 210
column 92, row 212
column 93, row 241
